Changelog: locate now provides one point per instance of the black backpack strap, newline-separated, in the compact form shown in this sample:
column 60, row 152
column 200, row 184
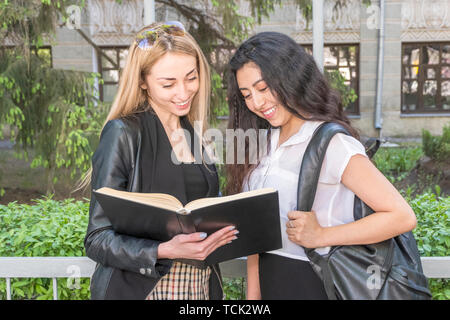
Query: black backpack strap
column 307, row 187
column 312, row 163
column 306, row 191
column 313, row 158
column 371, row 146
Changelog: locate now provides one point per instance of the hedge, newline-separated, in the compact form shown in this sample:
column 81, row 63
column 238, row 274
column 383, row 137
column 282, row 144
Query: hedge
column 57, row 228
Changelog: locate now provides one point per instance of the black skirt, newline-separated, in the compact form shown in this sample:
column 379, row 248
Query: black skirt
column 282, row 278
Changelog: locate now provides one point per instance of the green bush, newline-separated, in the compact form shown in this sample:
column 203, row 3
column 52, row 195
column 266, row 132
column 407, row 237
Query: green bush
column 437, row 147
column 234, row 288
column 48, row 228
column 433, row 234
column 52, row 228
column 396, row 163
column 57, row 228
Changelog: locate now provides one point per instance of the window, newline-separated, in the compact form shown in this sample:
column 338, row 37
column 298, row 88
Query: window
column 345, row 59
column 110, row 70
column 425, row 78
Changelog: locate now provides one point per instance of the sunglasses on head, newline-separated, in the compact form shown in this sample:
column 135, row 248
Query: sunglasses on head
column 147, row 38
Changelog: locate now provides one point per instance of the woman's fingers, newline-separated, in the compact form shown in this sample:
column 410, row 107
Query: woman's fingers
column 217, row 239
column 192, row 237
column 200, row 236
column 224, row 237
column 222, row 233
column 217, row 244
column 203, row 245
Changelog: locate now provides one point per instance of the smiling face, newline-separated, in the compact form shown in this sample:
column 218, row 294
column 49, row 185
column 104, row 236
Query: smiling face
column 172, row 84
column 258, row 97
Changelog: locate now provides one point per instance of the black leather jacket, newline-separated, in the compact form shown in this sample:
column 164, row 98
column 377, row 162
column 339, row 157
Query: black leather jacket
column 127, row 159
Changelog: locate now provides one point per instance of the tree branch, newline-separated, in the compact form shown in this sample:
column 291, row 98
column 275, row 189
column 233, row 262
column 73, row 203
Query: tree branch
column 199, row 18
column 97, row 48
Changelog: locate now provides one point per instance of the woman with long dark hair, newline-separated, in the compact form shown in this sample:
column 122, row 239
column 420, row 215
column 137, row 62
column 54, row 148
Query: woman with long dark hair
column 275, row 85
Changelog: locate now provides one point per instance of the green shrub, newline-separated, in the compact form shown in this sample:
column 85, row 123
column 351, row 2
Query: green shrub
column 437, row 147
column 52, row 228
column 396, row 163
column 47, row 229
column 57, row 228
column 433, row 234
column 234, row 288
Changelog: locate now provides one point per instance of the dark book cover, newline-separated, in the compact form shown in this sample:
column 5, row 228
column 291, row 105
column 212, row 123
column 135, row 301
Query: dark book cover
column 256, row 218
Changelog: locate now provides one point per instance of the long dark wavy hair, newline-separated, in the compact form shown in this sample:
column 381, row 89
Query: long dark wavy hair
column 293, row 78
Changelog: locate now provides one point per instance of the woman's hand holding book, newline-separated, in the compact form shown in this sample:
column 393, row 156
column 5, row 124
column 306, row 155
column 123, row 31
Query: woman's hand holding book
column 196, row 245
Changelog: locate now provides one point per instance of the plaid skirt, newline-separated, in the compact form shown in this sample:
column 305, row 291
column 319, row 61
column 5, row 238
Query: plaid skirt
column 183, row 282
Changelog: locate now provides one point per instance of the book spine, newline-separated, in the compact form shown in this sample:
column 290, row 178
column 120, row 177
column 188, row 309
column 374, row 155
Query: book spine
column 183, row 211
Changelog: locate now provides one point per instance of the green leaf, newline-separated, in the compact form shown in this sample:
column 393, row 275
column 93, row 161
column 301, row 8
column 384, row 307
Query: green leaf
column 17, row 284
column 447, row 293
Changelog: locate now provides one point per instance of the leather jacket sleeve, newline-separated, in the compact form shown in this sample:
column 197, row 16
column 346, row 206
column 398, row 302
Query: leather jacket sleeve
column 112, row 164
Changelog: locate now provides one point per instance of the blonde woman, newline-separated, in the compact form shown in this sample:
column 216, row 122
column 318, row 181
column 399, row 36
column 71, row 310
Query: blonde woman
column 165, row 86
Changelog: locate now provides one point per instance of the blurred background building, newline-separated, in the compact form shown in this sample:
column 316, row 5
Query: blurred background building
column 416, row 74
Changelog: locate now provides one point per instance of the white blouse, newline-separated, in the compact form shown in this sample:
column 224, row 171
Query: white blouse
column 280, row 168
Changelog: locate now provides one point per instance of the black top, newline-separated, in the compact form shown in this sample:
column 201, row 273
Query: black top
column 195, row 183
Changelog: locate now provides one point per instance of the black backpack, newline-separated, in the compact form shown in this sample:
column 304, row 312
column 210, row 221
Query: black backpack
column 390, row 269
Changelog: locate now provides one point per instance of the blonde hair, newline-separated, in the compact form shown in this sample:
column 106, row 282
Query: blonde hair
column 131, row 98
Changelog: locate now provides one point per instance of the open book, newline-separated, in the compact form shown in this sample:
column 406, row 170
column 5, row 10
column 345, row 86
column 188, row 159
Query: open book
column 160, row 217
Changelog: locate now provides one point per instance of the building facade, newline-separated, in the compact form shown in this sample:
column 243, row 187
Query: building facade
column 416, row 74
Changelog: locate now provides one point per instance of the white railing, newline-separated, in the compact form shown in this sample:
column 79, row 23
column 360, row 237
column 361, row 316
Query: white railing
column 83, row 267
